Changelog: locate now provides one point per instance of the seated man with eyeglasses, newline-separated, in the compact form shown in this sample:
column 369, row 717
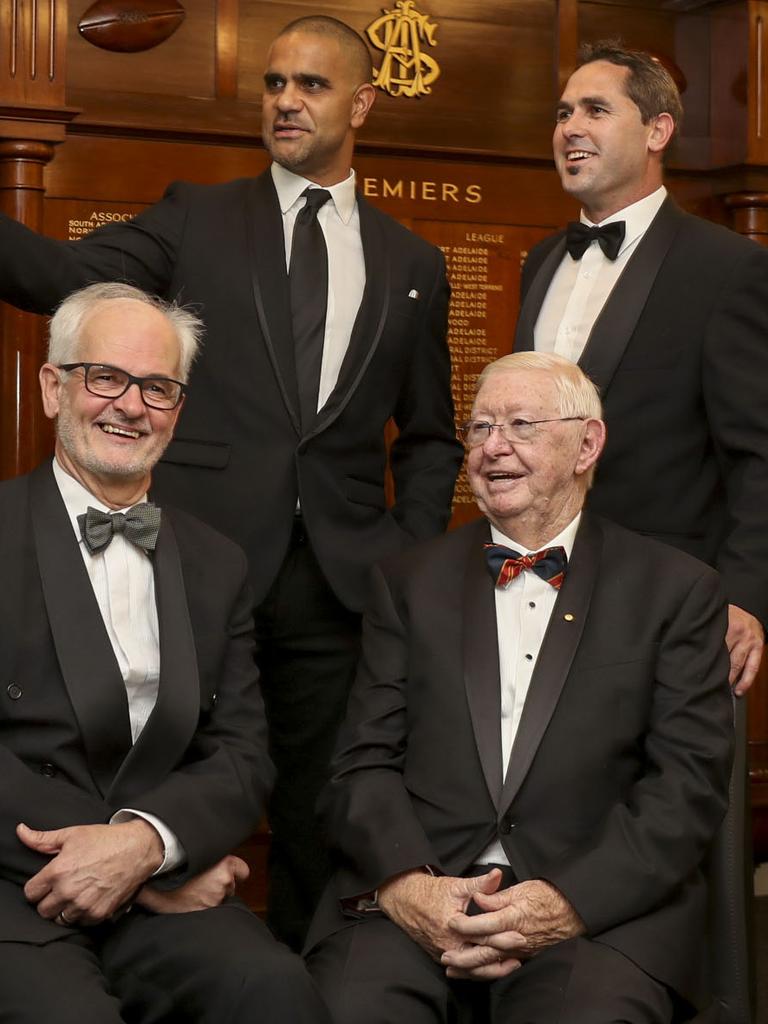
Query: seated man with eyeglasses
column 537, row 749
column 133, row 749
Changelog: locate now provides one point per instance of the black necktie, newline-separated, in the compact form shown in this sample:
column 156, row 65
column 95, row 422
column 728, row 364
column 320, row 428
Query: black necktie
column 308, row 277
column 139, row 524
column 506, row 564
column 609, row 237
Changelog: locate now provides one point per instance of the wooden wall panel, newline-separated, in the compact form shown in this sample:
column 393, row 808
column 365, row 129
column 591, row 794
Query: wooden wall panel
column 506, row 47
column 509, row 45
column 757, row 78
column 134, row 170
column 728, row 106
column 639, row 26
column 184, row 65
column 207, row 78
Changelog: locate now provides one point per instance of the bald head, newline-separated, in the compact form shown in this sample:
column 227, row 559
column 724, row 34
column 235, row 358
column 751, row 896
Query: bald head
column 353, row 48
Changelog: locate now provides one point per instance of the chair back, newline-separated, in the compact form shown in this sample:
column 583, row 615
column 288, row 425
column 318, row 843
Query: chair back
column 730, row 951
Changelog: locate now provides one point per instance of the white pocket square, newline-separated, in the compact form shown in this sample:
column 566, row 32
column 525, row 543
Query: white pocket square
column 413, row 294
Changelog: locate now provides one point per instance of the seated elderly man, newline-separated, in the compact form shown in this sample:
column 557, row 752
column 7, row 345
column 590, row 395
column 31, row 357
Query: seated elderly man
column 132, row 735
column 537, row 749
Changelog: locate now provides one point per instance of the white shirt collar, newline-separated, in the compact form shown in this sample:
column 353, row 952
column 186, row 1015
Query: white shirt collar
column 77, row 498
column 289, row 187
column 637, row 217
column 564, row 539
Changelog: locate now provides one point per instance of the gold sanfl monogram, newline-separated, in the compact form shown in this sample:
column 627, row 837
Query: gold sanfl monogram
column 406, row 70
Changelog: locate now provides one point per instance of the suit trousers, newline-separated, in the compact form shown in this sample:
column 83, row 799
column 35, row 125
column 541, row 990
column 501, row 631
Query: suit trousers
column 308, row 648
column 374, row 972
column 217, row 966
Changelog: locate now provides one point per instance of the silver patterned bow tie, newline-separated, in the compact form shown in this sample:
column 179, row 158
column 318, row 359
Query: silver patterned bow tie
column 140, row 525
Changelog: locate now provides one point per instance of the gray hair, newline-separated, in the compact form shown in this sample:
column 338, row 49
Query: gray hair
column 577, row 395
column 67, row 322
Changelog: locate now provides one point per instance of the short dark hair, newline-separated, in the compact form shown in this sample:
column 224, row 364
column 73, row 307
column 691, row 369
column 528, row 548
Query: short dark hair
column 353, row 44
column 649, row 85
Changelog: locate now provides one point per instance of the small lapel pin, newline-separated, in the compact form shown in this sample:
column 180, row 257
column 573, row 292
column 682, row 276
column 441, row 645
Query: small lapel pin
column 413, row 294
column 568, row 617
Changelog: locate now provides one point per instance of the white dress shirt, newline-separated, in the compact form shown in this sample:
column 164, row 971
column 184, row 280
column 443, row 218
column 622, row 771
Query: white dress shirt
column 340, row 223
column 580, row 288
column 523, row 611
column 124, row 585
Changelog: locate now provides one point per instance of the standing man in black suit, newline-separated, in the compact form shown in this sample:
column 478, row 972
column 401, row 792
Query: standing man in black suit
column 668, row 314
column 536, row 767
column 133, row 743
column 281, row 444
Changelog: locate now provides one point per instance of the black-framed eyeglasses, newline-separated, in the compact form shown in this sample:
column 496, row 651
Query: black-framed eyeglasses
column 476, row 432
column 107, row 381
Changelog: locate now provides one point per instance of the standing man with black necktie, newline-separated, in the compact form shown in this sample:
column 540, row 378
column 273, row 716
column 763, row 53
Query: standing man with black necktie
column 323, row 320
column 668, row 314
column 133, row 748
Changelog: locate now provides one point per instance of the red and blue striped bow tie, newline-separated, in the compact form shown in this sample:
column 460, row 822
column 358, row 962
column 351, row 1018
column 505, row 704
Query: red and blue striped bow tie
column 505, row 564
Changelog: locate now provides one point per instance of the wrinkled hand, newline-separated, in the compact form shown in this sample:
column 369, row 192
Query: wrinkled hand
column 208, row 889
column 515, row 924
column 423, row 905
column 745, row 641
column 95, row 869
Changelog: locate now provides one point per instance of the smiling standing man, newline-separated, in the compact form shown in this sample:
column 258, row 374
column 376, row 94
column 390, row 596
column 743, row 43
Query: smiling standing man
column 133, row 746
column 324, row 319
column 668, row 314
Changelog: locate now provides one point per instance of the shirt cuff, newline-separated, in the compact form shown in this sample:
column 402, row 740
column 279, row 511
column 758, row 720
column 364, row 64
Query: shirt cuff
column 367, row 902
column 173, row 852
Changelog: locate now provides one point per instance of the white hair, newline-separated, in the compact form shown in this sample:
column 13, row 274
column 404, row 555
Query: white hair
column 67, row 322
column 577, row 395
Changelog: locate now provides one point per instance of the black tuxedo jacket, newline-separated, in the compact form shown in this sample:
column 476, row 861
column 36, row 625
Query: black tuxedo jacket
column 66, row 758
column 618, row 775
column 680, row 354
column 239, row 460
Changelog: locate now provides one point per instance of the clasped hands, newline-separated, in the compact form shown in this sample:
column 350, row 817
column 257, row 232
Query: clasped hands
column 97, row 871
column 514, row 923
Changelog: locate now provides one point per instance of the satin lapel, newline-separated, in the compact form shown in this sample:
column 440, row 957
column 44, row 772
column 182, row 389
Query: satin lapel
column 533, row 300
column 556, row 655
column 87, row 661
column 370, row 320
column 481, row 662
column 174, row 717
column 618, row 318
column 266, row 241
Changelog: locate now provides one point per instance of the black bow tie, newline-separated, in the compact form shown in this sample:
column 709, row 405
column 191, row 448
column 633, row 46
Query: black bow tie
column 139, row 524
column 506, row 564
column 609, row 237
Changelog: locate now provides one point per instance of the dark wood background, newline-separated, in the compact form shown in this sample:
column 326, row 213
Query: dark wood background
column 88, row 135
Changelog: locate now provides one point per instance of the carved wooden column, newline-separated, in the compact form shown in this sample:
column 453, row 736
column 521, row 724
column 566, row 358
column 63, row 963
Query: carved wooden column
column 749, row 211
column 33, row 117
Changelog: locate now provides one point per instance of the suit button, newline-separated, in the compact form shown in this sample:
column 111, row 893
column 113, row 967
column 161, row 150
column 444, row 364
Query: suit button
column 505, row 826
column 14, row 691
column 48, row 770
